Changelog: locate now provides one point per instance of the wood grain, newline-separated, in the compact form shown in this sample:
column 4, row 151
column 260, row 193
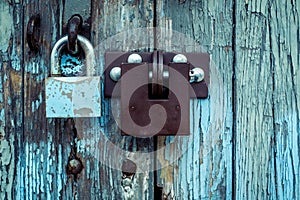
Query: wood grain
column 99, row 143
column 204, row 171
column 11, row 102
column 267, row 99
column 244, row 141
column 46, row 144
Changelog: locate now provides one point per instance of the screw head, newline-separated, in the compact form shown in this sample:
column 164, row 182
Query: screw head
column 180, row 58
column 115, row 73
column 134, row 58
column 196, row 75
column 132, row 108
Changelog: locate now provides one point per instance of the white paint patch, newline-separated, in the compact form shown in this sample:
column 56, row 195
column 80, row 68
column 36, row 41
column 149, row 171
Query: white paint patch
column 7, row 165
column 6, row 24
column 2, row 119
column 5, row 152
column 73, row 97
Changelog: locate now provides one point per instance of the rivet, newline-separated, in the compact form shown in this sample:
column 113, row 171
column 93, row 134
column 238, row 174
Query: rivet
column 180, row 58
column 134, row 58
column 132, row 108
column 115, row 73
column 196, row 75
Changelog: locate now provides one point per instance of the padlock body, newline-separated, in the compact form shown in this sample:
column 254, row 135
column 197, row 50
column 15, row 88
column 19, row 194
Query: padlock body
column 73, row 97
column 136, row 106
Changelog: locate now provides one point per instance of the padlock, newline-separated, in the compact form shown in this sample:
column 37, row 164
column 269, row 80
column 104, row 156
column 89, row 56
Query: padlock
column 73, row 96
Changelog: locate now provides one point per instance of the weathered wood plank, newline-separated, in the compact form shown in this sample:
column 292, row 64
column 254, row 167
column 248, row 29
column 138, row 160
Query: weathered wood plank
column 205, row 169
column 285, row 63
column 11, row 102
column 99, row 144
column 46, row 144
column 267, row 100
column 34, row 151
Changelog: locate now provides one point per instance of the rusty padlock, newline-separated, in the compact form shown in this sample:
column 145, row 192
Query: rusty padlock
column 73, row 96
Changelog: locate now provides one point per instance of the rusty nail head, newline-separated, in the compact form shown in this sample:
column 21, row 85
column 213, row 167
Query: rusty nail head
column 75, row 166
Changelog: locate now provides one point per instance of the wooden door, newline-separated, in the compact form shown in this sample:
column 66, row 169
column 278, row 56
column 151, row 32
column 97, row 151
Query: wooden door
column 245, row 138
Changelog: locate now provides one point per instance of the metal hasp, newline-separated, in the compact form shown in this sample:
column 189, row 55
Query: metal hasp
column 155, row 90
column 74, row 27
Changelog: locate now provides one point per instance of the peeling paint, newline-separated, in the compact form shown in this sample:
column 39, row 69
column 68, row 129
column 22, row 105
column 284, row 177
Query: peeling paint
column 7, row 166
column 6, row 24
column 37, row 103
column 73, row 97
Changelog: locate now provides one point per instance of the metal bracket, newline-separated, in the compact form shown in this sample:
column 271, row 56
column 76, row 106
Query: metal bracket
column 148, row 79
column 117, row 59
column 77, row 25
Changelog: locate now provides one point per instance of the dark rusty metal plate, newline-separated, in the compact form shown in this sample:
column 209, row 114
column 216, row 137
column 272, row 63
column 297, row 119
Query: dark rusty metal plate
column 136, row 117
column 116, row 59
column 200, row 90
column 144, row 116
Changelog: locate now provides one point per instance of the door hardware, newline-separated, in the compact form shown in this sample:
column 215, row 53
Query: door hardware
column 145, row 80
column 73, row 96
column 33, row 33
column 74, row 26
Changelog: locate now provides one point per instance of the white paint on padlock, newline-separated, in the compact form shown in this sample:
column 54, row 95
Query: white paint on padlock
column 73, row 96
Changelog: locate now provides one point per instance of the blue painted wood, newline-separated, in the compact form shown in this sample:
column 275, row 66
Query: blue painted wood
column 205, row 170
column 267, row 88
column 244, row 141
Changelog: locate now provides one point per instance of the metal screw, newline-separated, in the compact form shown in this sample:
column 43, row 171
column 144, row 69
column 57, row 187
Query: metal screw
column 74, row 166
column 196, row 75
column 132, row 108
column 115, row 73
column 134, row 58
column 180, row 58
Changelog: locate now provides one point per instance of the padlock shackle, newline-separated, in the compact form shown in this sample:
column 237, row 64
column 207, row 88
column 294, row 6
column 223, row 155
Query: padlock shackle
column 87, row 47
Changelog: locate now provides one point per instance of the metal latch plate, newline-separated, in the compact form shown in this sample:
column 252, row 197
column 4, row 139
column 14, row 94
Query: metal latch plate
column 135, row 104
column 143, row 116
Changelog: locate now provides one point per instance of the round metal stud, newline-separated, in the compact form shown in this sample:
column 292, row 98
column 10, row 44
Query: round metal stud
column 134, row 58
column 196, row 75
column 180, row 58
column 115, row 73
column 74, row 166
